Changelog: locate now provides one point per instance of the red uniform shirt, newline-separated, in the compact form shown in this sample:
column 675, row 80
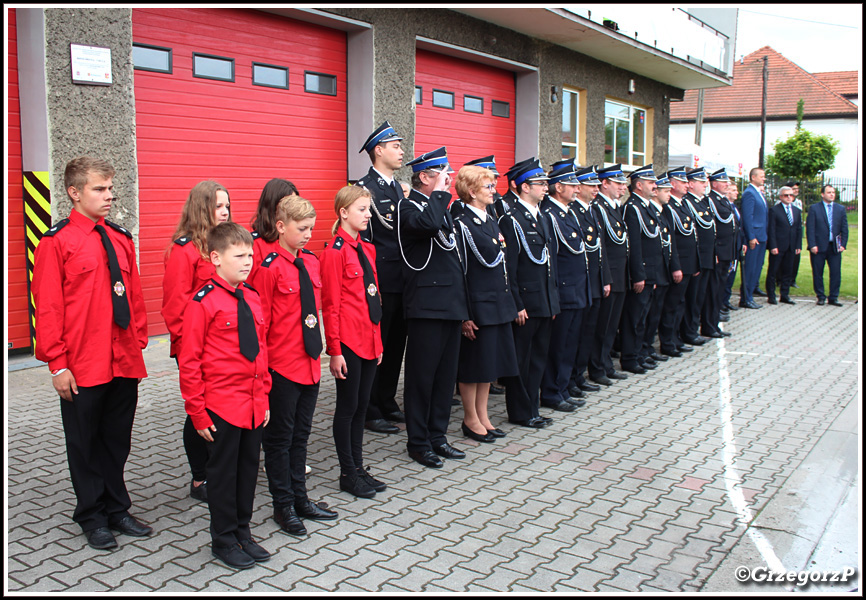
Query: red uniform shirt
column 344, row 298
column 213, row 372
column 185, row 273
column 277, row 282
column 72, row 289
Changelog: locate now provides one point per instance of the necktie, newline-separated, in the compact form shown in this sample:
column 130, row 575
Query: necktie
column 397, row 189
column 312, row 336
column 247, row 337
column 790, row 217
column 374, row 304
column 119, row 301
column 829, row 208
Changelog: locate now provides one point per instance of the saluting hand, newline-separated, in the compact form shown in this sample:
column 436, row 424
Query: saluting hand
column 65, row 385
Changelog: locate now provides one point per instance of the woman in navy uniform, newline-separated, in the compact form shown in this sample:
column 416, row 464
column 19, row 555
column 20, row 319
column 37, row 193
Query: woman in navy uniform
column 487, row 346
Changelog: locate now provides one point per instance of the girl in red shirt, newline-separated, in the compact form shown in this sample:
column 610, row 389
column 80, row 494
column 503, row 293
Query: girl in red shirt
column 187, row 269
column 264, row 223
column 351, row 311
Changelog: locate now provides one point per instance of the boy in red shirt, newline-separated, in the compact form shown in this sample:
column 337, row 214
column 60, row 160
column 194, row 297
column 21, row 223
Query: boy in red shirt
column 225, row 382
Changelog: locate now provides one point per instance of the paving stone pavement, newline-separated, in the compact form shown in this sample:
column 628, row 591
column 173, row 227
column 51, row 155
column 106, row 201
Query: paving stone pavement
column 626, row 494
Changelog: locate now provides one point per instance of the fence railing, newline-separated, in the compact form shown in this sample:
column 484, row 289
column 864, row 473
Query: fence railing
column 810, row 191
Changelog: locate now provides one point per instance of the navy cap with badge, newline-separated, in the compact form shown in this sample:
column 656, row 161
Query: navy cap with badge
column 530, row 172
column 486, row 162
column 436, row 160
column 613, row 172
column 384, row 133
column 587, row 176
column 645, row 172
column 678, row 173
column 698, row 174
column 517, row 167
column 663, row 182
column 562, row 172
column 721, row 175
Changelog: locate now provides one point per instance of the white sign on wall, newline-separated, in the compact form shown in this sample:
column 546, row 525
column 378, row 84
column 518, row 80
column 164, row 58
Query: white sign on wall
column 91, row 65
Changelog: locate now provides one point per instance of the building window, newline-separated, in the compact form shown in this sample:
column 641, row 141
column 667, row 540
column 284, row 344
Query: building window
column 320, row 83
column 625, row 133
column 418, row 90
column 500, row 109
column 270, row 76
column 443, row 99
column 570, row 122
column 473, row 104
column 151, row 58
column 213, row 67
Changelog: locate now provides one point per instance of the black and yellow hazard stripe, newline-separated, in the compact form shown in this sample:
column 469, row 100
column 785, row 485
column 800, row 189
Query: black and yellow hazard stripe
column 37, row 220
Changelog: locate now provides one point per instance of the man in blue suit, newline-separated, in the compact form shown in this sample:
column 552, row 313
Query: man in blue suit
column 827, row 236
column 753, row 213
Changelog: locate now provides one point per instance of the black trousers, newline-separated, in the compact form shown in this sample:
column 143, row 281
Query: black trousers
column 353, row 395
column 713, row 299
column 834, row 262
column 780, row 267
column 531, row 344
column 653, row 318
column 432, row 350
column 393, row 326
column 600, row 362
column 632, row 325
column 195, row 448
column 695, row 294
column 232, row 470
column 285, row 439
column 584, row 346
column 564, row 340
column 97, row 424
column 672, row 314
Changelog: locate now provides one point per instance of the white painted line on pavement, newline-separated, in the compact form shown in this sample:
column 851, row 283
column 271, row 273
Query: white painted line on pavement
column 733, row 482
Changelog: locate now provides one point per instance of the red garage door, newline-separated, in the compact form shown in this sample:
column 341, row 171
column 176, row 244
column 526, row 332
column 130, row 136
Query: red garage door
column 480, row 120
column 224, row 125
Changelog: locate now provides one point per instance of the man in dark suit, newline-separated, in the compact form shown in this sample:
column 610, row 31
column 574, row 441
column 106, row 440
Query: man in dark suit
column 386, row 153
column 530, row 247
column 435, row 305
column 785, row 240
column 724, row 251
column 753, row 211
column 827, row 236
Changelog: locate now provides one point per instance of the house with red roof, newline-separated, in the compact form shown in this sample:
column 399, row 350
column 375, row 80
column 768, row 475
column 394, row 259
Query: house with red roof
column 731, row 124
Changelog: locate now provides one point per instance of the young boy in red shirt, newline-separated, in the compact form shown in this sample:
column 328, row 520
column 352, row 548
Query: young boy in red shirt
column 225, row 382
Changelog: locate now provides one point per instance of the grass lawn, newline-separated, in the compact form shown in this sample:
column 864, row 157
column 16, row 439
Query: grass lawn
column 850, row 267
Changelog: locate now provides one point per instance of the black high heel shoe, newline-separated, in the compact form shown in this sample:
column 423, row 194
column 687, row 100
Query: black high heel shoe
column 496, row 433
column 486, row 438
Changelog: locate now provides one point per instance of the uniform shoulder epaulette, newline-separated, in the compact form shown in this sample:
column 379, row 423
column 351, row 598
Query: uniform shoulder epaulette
column 338, row 243
column 57, row 227
column 305, row 251
column 119, row 228
column 207, row 289
column 183, row 241
column 269, row 259
column 255, row 235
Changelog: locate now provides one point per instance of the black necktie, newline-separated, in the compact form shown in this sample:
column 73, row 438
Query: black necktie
column 374, row 304
column 397, row 189
column 247, row 337
column 119, row 301
column 309, row 314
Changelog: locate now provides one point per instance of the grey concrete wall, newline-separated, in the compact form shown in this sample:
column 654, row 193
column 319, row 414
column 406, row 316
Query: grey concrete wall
column 90, row 119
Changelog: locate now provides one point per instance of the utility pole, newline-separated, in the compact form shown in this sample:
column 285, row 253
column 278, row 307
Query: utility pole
column 699, row 118
column 765, row 76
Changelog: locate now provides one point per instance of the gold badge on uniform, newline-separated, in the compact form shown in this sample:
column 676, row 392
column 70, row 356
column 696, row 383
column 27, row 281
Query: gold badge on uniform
column 311, row 321
column 371, row 289
column 391, row 208
column 562, row 214
column 589, row 228
column 119, row 288
column 573, row 234
column 589, row 238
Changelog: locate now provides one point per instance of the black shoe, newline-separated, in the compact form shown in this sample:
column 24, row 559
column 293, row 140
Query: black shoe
column 314, row 512
column 617, row 375
column 820, row 302
column 288, row 521
column 759, row 292
column 697, row 341
column 646, row 359
column 427, row 458
column 749, row 304
column 724, row 318
column 198, row 492
column 588, row 387
column 446, row 450
column 534, row 422
column 478, row 437
column 672, row 353
column 771, row 300
column 233, row 556
column 355, row 485
column 714, row 335
column 254, row 551
column 786, row 300
column 834, row 302
column 496, row 433
column 575, row 391
column 100, row 538
column 726, row 333
column 602, row 380
column 658, row 357
column 397, row 416
column 684, row 348
column 379, row 486
column 648, row 365
column 128, row 525
column 381, row 426
column 635, row 368
column 577, row 402
column 496, row 390
column 561, row 406
column 731, row 307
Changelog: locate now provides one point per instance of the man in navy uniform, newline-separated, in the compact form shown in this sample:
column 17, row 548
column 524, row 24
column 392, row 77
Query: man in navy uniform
column 386, row 154
column 616, row 247
column 532, row 272
column 705, row 226
column 599, row 275
column 504, row 204
column 575, row 294
column 725, row 252
column 435, row 304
